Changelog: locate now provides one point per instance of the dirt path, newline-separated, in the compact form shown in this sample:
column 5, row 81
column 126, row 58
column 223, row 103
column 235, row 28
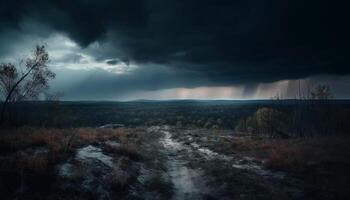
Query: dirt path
column 190, row 165
column 188, row 182
column 163, row 162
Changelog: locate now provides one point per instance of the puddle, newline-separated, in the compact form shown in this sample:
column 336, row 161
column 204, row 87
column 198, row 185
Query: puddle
column 243, row 163
column 95, row 175
column 169, row 143
column 88, row 173
column 66, row 170
column 247, row 163
column 209, row 154
column 86, row 160
column 112, row 143
column 188, row 183
column 91, row 153
column 41, row 151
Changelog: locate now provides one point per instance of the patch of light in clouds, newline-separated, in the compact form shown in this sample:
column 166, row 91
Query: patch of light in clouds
column 190, row 93
column 65, row 53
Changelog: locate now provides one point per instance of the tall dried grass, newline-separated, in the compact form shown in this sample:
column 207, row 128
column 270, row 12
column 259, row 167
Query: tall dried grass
column 130, row 150
column 295, row 154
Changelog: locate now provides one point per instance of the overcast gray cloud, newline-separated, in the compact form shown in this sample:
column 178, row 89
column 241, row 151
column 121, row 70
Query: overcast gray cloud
column 120, row 49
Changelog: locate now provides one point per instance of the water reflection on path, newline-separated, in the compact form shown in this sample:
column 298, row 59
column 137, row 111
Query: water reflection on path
column 188, row 183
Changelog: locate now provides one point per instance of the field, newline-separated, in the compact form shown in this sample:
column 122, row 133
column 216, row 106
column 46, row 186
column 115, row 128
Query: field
column 176, row 150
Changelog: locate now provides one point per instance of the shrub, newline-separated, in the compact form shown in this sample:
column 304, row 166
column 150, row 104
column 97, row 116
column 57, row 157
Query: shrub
column 266, row 121
column 286, row 157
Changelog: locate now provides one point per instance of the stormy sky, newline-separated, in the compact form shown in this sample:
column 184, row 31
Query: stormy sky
column 183, row 49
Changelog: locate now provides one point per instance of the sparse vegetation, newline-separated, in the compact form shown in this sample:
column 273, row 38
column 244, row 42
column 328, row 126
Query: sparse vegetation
column 133, row 157
column 33, row 154
column 317, row 161
column 129, row 150
column 294, row 154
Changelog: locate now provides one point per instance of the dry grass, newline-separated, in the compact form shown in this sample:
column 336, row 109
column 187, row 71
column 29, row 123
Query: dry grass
column 243, row 144
column 57, row 140
column 87, row 135
column 20, row 150
column 19, row 145
column 16, row 139
column 296, row 154
column 287, row 157
column 128, row 149
column 301, row 154
column 29, row 156
column 91, row 135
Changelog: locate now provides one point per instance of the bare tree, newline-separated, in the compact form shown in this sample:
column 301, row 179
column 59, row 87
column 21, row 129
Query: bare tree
column 321, row 92
column 28, row 83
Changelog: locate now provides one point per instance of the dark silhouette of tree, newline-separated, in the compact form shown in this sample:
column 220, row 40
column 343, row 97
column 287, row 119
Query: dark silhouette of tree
column 321, row 92
column 28, row 83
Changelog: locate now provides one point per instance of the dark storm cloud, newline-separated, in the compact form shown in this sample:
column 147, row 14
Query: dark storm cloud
column 84, row 20
column 226, row 42
column 112, row 62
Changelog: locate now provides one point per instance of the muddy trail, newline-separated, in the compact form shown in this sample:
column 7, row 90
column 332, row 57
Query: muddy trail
column 198, row 172
column 183, row 166
column 162, row 162
column 189, row 183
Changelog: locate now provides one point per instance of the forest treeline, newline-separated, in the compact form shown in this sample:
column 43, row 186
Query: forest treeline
column 282, row 118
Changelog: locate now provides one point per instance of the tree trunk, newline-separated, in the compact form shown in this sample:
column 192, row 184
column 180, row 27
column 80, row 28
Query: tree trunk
column 2, row 117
